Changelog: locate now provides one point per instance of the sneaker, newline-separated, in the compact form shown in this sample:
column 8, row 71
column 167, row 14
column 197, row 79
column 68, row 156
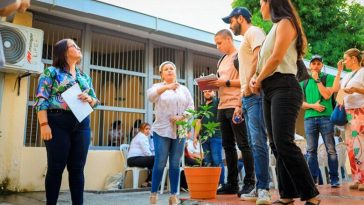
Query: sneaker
column 335, row 184
column 252, row 196
column 263, row 197
column 246, row 189
column 228, row 189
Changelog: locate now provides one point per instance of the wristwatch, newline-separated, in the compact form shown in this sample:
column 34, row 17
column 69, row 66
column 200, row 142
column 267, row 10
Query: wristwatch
column 317, row 81
column 228, row 83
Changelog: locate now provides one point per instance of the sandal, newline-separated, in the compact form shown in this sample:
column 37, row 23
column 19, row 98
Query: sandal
column 279, row 202
column 310, row 203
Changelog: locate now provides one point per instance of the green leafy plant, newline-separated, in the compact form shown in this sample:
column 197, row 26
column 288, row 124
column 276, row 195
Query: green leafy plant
column 209, row 128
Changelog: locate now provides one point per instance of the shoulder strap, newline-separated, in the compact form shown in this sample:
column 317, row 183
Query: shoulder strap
column 324, row 79
column 305, row 82
column 219, row 62
column 236, row 61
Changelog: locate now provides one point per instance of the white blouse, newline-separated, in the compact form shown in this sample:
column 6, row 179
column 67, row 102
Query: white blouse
column 139, row 146
column 354, row 100
column 170, row 103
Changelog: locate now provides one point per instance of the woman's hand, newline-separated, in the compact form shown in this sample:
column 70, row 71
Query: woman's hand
column 84, row 97
column 255, row 85
column 340, row 65
column 45, row 132
column 350, row 90
column 172, row 86
column 177, row 118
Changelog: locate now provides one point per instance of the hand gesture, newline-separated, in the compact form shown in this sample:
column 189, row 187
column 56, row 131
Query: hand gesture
column 318, row 107
column 315, row 75
column 340, row 65
column 172, row 86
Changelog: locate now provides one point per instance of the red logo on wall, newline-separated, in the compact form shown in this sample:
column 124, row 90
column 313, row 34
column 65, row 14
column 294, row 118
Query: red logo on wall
column 29, row 57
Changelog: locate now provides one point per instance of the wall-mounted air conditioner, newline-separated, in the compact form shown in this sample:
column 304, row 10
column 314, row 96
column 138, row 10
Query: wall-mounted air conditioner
column 22, row 48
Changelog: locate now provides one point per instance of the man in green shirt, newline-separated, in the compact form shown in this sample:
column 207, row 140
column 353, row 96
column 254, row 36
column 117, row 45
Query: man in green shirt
column 318, row 108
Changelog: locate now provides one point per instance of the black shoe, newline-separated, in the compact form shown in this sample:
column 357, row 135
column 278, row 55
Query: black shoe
column 228, row 189
column 246, row 189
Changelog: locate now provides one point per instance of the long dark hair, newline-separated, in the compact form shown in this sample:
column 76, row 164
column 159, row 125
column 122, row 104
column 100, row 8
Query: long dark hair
column 284, row 9
column 59, row 54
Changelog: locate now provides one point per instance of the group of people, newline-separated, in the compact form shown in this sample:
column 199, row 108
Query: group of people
column 258, row 101
column 258, row 82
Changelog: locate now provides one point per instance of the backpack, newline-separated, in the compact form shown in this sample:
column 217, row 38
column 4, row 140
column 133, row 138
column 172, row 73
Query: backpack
column 236, row 61
column 323, row 80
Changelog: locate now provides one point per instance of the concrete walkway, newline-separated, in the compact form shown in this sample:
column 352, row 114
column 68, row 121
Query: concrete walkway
column 337, row 196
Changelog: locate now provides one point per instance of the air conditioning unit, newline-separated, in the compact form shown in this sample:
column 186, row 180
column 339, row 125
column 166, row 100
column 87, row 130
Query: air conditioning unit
column 22, row 48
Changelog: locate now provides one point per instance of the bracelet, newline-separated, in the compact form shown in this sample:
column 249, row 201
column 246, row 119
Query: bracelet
column 43, row 124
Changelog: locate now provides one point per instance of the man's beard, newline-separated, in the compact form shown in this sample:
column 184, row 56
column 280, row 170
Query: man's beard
column 209, row 98
column 237, row 29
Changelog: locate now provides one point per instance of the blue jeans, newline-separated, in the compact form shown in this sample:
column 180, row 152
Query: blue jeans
column 253, row 114
column 68, row 146
column 167, row 147
column 323, row 125
column 212, row 149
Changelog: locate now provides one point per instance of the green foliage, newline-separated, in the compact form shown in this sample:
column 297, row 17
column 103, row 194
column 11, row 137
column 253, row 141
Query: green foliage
column 331, row 26
column 210, row 127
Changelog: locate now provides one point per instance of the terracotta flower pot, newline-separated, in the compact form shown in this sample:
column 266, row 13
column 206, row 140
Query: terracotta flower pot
column 202, row 181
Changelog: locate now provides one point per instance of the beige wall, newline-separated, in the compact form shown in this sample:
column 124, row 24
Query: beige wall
column 99, row 165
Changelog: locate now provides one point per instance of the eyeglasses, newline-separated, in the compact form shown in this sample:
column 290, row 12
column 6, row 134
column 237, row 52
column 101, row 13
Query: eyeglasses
column 75, row 46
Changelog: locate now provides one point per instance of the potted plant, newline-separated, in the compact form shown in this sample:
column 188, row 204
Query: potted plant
column 202, row 181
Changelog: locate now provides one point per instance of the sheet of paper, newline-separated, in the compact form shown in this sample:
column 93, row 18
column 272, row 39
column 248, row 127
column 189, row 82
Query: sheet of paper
column 80, row 109
column 340, row 97
column 203, row 82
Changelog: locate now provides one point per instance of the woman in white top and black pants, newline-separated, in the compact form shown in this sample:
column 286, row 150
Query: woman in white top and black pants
column 276, row 70
column 140, row 154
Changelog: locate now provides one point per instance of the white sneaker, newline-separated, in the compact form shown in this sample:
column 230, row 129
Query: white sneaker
column 252, row 196
column 263, row 197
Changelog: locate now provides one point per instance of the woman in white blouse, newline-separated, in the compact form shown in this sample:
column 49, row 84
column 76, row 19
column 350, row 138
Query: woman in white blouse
column 353, row 86
column 171, row 101
column 140, row 154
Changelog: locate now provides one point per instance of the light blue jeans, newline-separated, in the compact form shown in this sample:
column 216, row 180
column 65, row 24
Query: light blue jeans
column 166, row 147
column 254, row 120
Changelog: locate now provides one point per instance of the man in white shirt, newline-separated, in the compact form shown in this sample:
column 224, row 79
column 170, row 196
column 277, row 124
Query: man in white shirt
column 253, row 37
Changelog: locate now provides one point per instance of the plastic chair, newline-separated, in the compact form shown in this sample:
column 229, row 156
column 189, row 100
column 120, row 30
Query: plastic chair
column 341, row 155
column 272, row 167
column 322, row 161
column 164, row 177
column 135, row 170
column 302, row 144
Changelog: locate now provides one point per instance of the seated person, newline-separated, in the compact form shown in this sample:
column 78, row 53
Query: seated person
column 139, row 154
column 116, row 137
column 192, row 153
column 135, row 129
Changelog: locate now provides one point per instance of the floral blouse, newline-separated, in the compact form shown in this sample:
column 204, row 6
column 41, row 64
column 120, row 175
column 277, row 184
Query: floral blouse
column 53, row 82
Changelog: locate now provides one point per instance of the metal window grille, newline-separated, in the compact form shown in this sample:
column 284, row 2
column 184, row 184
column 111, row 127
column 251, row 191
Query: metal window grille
column 202, row 65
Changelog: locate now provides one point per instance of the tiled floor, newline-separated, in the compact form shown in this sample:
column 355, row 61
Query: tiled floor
column 328, row 196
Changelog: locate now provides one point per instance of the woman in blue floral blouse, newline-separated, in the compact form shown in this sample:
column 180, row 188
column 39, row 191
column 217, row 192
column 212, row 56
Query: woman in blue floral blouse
column 66, row 139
